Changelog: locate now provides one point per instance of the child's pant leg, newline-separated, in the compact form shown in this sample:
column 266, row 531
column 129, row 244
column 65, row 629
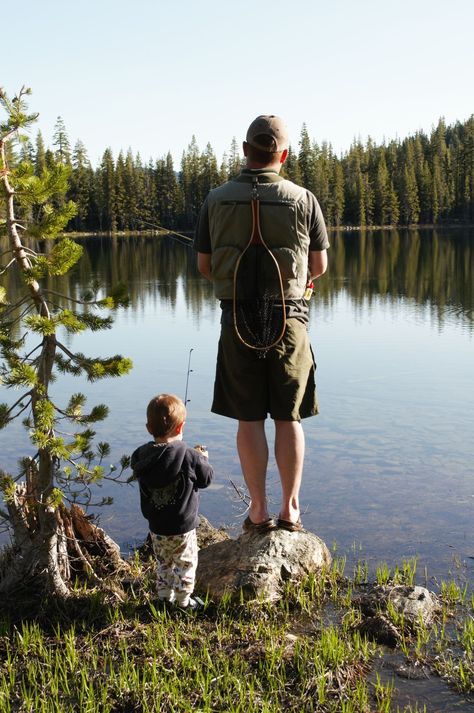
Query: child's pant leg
column 164, row 549
column 185, row 563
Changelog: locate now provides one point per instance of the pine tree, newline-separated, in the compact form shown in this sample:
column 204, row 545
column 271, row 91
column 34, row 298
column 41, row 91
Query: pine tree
column 120, row 194
column 234, row 164
column 467, row 170
column 443, row 177
column 223, row 170
column 394, row 214
column 382, row 191
column 61, row 141
column 336, row 190
column 368, row 166
column 209, row 172
column 190, row 183
column 410, row 204
column 306, row 159
column 27, row 151
column 291, row 168
column 145, row 194
column 322, row 174
column 45, row 532
column 423, row 175
column 105, row 192
column 80, row 190
column 354, row 183
column 40, row 158
column 169, row 197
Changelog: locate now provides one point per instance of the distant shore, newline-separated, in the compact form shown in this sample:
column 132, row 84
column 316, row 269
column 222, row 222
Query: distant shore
column 331, row 229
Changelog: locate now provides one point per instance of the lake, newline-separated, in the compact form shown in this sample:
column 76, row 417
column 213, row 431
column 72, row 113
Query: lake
column 389, row 469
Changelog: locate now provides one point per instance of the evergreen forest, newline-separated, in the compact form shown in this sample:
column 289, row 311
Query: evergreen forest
column 422, row 179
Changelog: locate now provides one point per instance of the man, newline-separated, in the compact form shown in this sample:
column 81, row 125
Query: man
column 248, row 387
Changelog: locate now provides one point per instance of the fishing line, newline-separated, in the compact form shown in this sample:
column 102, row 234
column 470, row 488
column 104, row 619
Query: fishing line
column 188, row 241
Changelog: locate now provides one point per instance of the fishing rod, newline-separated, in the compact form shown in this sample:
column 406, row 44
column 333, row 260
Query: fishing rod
column 199, row 446
column 188, row 241
column 186, row 400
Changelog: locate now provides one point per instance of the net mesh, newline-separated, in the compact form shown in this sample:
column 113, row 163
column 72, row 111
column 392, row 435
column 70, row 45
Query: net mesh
column 259, row 303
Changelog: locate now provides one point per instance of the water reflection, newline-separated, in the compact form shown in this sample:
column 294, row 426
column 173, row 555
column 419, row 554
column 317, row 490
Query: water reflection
column 390, row 459
column 430, row 266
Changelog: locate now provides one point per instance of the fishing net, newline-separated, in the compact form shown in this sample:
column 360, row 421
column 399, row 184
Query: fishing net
column 259, row 303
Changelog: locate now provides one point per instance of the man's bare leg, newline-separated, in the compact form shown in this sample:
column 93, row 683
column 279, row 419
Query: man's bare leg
column 289, row 454
column 252, row 447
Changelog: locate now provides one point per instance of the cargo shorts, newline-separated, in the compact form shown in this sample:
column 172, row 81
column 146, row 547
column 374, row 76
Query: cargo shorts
column 248, row 387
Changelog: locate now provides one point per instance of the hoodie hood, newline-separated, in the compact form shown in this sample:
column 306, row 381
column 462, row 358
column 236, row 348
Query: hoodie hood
column 161, row 460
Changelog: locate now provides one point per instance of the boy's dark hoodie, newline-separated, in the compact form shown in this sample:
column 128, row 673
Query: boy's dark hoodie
column 169, row 475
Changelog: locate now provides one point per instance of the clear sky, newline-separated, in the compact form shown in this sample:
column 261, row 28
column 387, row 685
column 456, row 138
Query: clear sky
column 148, row 74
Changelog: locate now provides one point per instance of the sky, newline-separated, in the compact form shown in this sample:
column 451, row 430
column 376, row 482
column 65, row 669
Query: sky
column 150, row 74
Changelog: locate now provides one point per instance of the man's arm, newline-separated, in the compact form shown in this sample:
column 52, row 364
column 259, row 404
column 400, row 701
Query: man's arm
column 317, row 263
column 204, row 265
column 202, row 243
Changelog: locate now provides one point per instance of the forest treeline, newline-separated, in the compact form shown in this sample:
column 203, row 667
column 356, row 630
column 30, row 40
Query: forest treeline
column 422, row 179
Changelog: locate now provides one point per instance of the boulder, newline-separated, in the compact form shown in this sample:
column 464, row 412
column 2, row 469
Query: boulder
column 416, row 604
column 259, row 564
column 413, row 602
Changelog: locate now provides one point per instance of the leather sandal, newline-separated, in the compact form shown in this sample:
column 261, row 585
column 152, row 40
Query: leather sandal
column 290, row 526
column 261, row 527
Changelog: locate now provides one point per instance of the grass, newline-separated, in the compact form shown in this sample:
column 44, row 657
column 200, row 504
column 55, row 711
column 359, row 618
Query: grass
column 97, row 654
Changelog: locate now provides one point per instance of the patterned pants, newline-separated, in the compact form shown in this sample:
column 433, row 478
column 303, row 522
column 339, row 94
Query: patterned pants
column 176, row 562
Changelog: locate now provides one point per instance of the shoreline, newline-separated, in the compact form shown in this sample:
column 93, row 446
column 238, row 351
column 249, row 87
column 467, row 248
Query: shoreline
column 330, row 228
column 315, row 645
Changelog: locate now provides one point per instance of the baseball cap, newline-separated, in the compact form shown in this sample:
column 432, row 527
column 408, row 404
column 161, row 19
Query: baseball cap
column 268, row 125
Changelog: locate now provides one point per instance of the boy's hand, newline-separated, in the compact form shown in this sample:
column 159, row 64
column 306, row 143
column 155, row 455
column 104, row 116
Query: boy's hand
column 202, row 450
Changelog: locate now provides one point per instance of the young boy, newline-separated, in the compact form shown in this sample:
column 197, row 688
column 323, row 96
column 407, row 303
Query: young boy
column 170, row 474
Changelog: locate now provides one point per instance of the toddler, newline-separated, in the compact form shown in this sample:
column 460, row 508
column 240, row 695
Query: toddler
column 170, row 475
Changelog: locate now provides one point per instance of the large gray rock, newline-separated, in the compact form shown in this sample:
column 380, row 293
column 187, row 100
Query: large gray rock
column 259, row 565
column 416, row 604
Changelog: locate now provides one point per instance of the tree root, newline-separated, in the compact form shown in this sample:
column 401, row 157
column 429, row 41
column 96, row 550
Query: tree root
column 56, row 546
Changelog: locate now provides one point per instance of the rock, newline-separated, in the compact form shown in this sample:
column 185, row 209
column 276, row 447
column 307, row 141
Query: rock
column 412, row 671
column 413, row 602
column 380, row 629
column 207, row 534
column 259, row 565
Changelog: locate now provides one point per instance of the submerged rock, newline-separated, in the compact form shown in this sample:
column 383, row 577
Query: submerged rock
column 416, row 605
column 259, row 565
column 413, row 602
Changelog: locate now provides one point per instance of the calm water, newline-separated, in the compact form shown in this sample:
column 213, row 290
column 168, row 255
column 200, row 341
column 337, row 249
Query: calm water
column 389, row 471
